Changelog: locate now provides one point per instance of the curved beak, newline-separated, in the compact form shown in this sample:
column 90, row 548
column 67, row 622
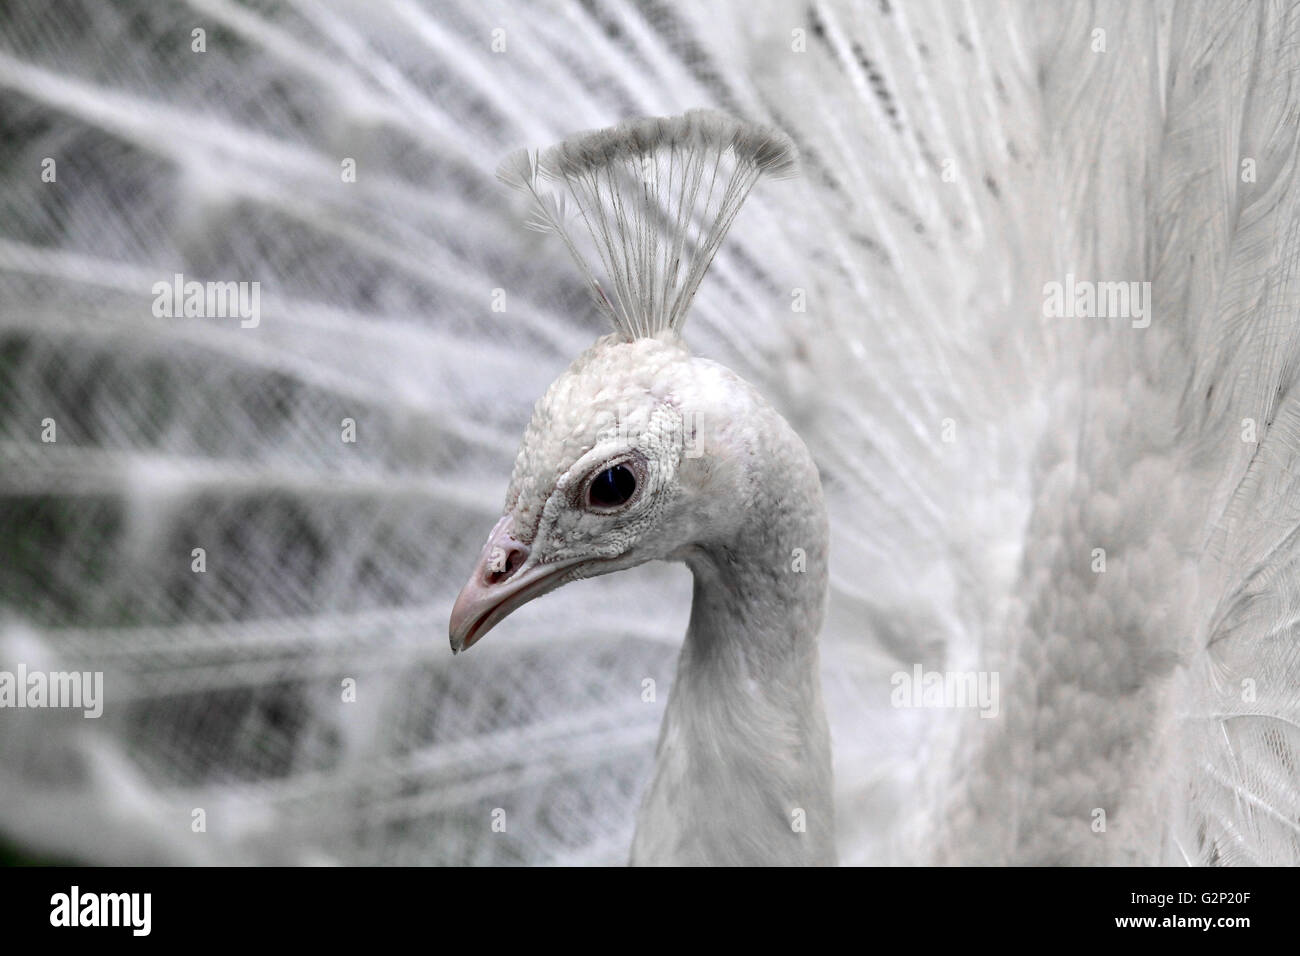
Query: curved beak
column 503, row 579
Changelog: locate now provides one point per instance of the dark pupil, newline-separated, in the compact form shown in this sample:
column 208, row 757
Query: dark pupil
column 613, row 486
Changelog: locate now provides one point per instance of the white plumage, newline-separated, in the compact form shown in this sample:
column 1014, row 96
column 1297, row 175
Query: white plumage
column 975, row 454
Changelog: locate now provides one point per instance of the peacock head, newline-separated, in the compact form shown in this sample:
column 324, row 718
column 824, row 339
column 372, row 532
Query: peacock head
column 634, row 454
column 615, row 468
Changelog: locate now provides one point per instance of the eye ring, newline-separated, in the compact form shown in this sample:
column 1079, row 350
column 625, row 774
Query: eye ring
column 612, row 487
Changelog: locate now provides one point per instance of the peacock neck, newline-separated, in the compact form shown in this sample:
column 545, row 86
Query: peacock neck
column 743, row 773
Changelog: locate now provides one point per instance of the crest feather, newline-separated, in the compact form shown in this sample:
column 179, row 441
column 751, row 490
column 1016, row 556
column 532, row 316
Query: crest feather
column 657, row 196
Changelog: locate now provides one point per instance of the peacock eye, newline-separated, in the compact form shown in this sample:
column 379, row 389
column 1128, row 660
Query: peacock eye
column 612, row 487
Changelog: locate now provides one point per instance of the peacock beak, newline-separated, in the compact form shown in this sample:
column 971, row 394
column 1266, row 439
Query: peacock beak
column 505, row 578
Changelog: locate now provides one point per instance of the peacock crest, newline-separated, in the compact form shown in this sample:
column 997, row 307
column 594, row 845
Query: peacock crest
column 656, row 197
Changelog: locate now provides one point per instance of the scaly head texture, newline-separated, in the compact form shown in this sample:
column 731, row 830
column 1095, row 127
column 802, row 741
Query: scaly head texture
column 657, row 196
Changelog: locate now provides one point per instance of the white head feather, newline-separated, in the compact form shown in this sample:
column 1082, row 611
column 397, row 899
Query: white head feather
column 657, row 196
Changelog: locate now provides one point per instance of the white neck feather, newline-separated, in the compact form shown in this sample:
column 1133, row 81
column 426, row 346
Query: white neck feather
column 743, row 773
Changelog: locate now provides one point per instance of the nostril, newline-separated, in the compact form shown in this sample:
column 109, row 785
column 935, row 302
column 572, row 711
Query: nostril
column 503, row 562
